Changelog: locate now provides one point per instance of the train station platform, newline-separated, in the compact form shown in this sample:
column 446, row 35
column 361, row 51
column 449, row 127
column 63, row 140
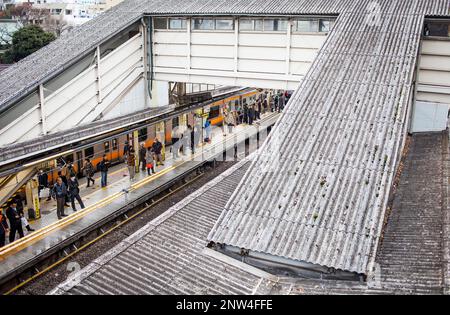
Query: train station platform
column 121, row 195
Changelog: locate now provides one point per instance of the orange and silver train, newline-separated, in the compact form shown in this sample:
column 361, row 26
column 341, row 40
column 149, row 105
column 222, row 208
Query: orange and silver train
column 113, row 148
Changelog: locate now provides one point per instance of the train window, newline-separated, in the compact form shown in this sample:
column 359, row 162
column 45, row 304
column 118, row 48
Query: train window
column 214, row 112
column 202, row 24
column 114, row 144
column 177, row 24
column 160, row 23
column 142, row 134
column 224, row 24
column 89, row 153
column 106, row 144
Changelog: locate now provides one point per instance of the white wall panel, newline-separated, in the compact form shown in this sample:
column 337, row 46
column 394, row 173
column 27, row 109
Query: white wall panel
column 212, row 63
column 263, row 39
column 170, row 37
column 262, row 66
column 81, row 88
column 434, row 77
column 436, row 47
column 212, row 38
column 303, row 54
column 299, row 68
column 429, row 117
column 170, row 62
column 307, row 41
column 434, row 62
column 433, row 97
column 170, row 50
column 212, row 51
column 267, row 53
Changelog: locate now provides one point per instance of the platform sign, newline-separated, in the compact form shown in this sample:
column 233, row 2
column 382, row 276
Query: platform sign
column 37, row 207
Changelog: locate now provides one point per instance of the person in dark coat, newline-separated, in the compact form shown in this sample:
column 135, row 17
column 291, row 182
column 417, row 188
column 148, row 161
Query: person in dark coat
column 89, row 171
column 246, row 113
column 15, row 222
column 192, row 138
column 59, row 193
column 142, row 153
column 251, row 114
column 157, row 148
column 4, row 228
column 64, row 180
column 43, row 182
column 126, row 150
column 74, row 193
column 103, row 167
column 258, row 110
column 18, row 200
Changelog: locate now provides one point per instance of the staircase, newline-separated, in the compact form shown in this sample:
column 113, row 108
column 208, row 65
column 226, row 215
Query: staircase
column 411, row 254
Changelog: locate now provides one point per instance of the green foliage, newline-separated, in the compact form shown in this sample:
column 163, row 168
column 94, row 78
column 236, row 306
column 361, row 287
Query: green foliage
column 26, row 41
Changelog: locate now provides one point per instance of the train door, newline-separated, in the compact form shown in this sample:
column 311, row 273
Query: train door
column 160, row 134
column 115, row 149
column 107, row 149
column 79, row 164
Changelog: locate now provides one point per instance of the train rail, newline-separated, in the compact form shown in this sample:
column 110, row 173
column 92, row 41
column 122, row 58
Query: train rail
column 147, row 194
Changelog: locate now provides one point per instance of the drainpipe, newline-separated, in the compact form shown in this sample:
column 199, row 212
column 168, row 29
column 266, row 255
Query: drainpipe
column 149, row 56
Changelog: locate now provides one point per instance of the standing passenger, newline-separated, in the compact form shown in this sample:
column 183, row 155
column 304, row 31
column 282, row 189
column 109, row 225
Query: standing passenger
column 251, row 114
column 103, row 168
column 59, row 193
column 208, row 131
column 43, row 182
column 131, row 163
column 126, row 150
column 157, row 148
column 142, row 153
column 88, row 169
column 14, row 221
column 74, row 193
column 150, row 162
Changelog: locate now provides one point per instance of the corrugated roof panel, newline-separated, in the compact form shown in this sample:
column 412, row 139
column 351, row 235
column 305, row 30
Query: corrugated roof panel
column 322, row 199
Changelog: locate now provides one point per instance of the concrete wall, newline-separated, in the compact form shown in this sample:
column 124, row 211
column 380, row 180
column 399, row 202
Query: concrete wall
column 234, row 57
column 433, row 86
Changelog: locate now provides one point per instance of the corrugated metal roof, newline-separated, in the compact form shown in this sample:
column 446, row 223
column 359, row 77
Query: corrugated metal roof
column 26, row 75
column 165, row 256
column 322, row 200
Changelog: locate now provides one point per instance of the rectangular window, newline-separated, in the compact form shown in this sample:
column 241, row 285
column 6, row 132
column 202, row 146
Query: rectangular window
column 307, row 25
column 143, row 134
column 246, row 25
column 437, row 28
column 160, row 23
column 281, row 25
column 106, row 144
column 224, row 24
column 68, row 12
column 177, row 24
column 269, row 25
column 325, row 25
column 259, row 25
column 89, row 153
column 203, row 24
column 114, row 144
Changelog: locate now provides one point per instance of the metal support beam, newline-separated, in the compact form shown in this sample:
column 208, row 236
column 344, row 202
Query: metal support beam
column 143, row 30
column 149, row 56
column 42, row 109
column 97, row 73
column 236, row 44
column 189, row 39
column 288, row 47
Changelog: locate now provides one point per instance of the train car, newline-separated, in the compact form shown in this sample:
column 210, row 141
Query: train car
column 113, row 148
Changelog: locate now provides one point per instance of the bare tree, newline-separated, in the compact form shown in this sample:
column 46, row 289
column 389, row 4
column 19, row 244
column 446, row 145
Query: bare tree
column 5, row 36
